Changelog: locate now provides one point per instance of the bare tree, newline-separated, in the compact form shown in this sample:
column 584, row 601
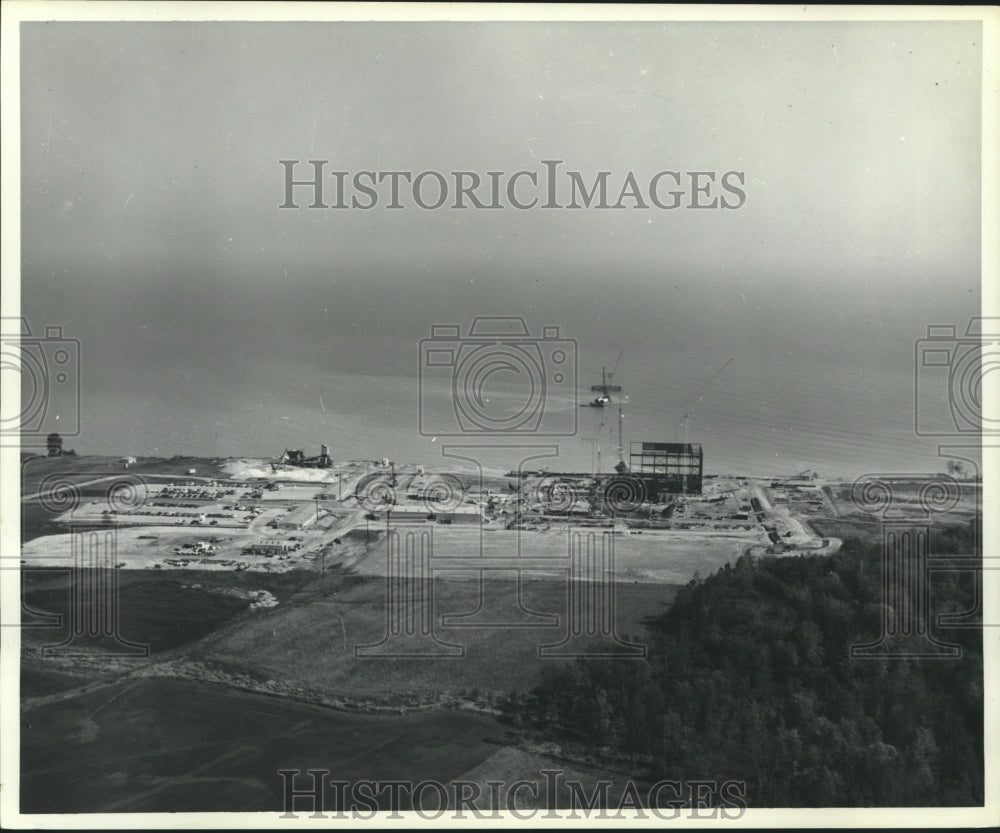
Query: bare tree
column 55, row 445
column 956, row 469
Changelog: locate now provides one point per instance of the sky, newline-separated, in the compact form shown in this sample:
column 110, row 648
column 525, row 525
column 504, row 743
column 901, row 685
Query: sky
column 151, row 185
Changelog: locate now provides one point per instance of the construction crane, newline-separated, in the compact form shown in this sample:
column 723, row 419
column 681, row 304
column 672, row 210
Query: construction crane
column 693, row 402
column 621, row 467
column 784, row 481
column 618, row 361
column 605, row 389
column 298, row 459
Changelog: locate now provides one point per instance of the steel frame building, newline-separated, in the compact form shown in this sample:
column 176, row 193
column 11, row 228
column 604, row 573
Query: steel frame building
column 676, row 468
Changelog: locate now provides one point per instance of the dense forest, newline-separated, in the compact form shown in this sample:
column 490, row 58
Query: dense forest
column 749, row 677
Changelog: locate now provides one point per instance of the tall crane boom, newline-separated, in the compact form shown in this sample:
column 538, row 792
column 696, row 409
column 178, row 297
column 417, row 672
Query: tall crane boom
column 618, row 361
column 692, row 403
column 605, row 389
column 621, row 415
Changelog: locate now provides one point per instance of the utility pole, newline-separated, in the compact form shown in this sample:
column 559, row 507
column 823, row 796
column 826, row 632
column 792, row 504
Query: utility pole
column 605, row 389
column 621, row 445
column 621, row 415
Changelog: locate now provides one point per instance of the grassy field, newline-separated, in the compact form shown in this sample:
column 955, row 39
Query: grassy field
column 667, row 557
column 164, row 611
column 906, row 493
column 308, row 641
column 312, row 643
column 867, row 530
column 35, row 469
column 141, row 744
column 168, row 745
column 36, row 521
column 40, row 681
column 160, row 613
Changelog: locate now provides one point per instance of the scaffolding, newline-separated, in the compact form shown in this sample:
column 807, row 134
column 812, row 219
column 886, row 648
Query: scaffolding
column 676, row 468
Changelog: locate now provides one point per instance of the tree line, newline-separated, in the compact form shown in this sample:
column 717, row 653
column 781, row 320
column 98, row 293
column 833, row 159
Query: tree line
column 749, row 676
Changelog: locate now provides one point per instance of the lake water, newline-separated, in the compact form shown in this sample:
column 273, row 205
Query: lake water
column 777, row 413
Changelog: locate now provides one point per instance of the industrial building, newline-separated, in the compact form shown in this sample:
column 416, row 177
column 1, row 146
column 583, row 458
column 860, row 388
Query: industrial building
column 408, row 514
column 268, row 548
column 667, row 468
column 299, row 518
column 460, row 515
column 298, row 459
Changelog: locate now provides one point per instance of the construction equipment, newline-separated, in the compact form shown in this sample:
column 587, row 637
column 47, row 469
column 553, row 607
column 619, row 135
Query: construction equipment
column 805, row 474
column 731, row 493
column 605, row 389
column 298, row 459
